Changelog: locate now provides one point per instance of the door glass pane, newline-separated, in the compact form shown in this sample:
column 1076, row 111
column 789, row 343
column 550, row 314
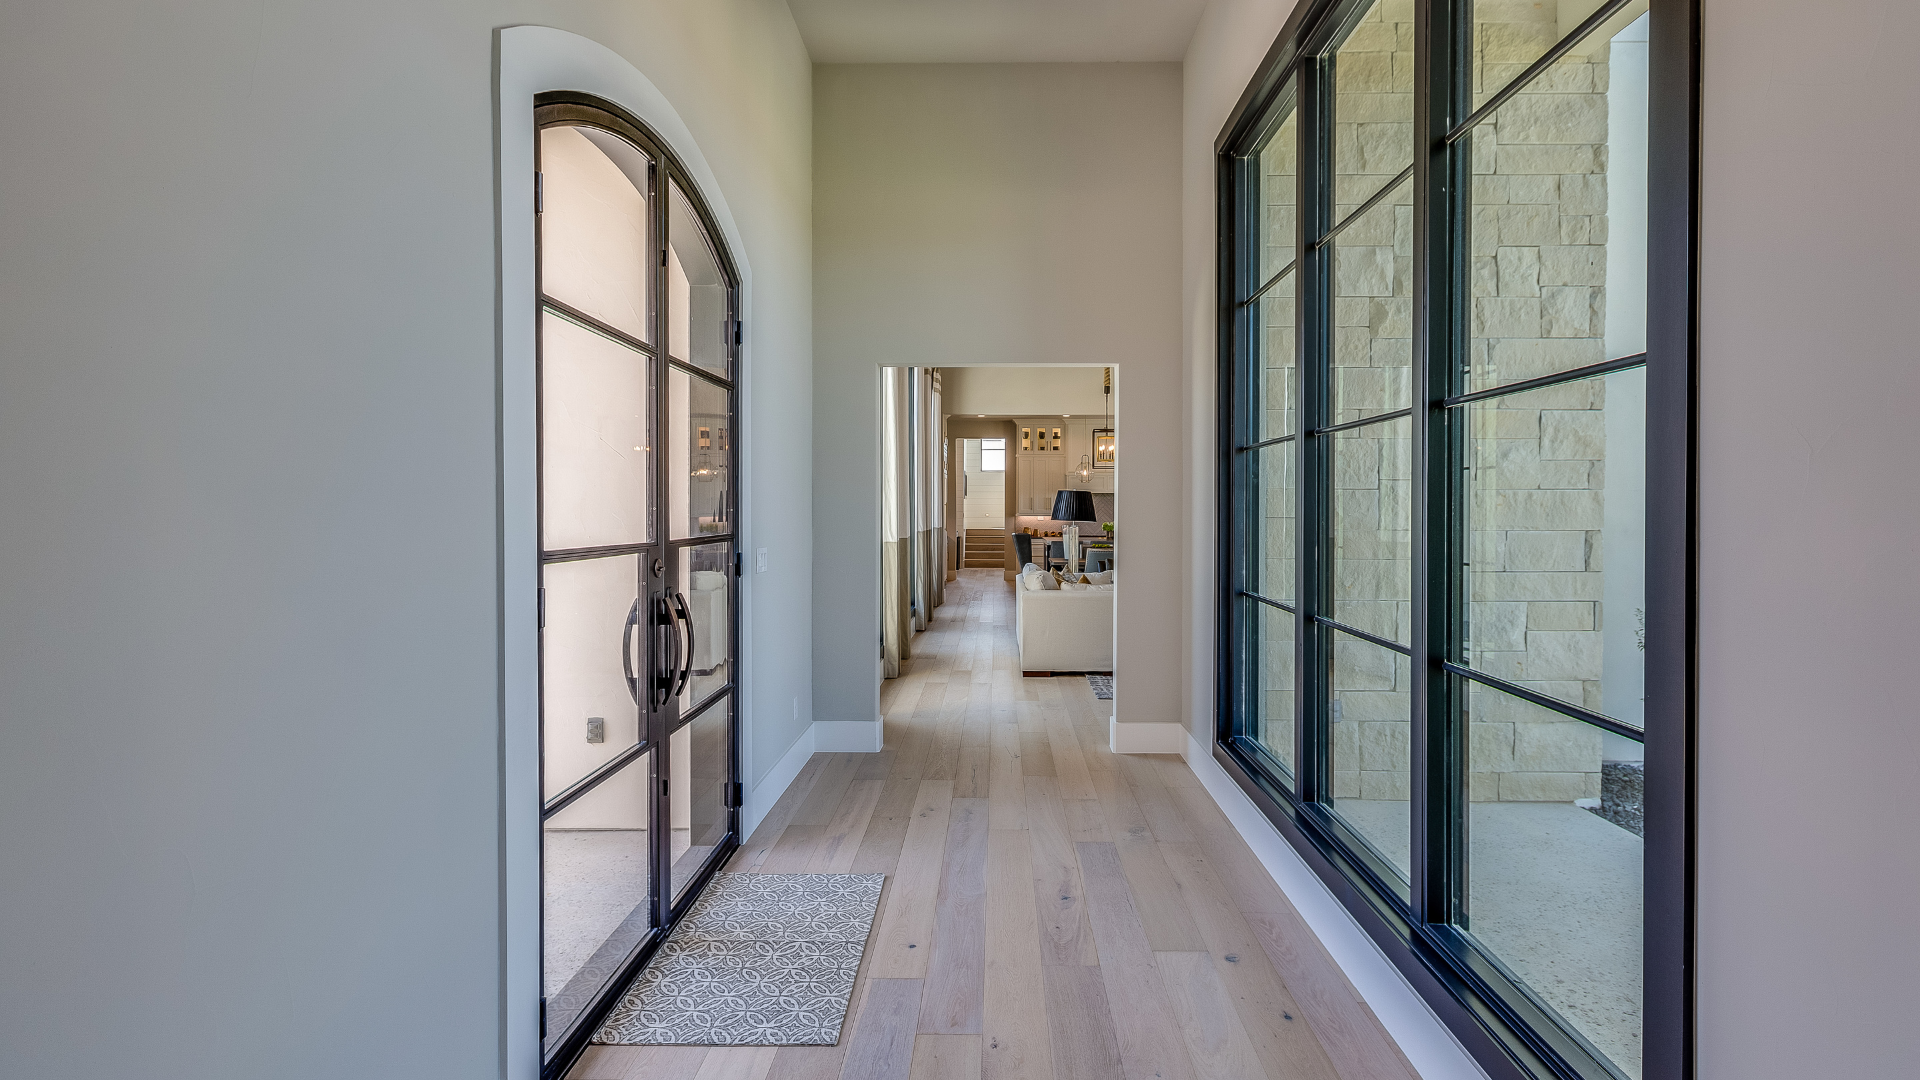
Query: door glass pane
column 1556, row 505
column 594, row 444
column 1271, row 573
column 583, row 677
column 1373, row 529
column 1555, row 862
column 594, row 251
column 1279, row 192
column 1559, row 222
column 1275, row 368
column 699, row 456
column 706, row 584
column 597, row 883
column 1273, row 632
column 1371, row 721
column 1509, row 35
column 1372, row 104
column 697, row 790
column 696, row 291
column 1373, row 310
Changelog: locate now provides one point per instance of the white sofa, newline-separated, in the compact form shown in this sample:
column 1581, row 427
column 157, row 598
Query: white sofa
column 1064, row 629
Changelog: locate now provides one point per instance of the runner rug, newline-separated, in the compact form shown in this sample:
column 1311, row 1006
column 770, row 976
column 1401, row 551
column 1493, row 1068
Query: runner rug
column 760, row 960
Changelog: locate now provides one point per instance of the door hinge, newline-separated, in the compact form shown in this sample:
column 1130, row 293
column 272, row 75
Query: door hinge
column 739, row 331
column 739, row 564
column 735, row 795
column 543, row 609
column 539, row 193
column 663, row 256
column 543, row 1018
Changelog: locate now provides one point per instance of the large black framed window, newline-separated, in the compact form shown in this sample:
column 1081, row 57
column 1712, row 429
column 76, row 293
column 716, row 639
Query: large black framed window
column 1456, row 402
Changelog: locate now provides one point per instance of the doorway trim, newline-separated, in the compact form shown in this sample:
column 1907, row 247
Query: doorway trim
column 531, row 60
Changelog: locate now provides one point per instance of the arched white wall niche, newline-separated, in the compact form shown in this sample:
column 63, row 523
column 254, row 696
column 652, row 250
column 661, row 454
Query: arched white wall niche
column 531, row 60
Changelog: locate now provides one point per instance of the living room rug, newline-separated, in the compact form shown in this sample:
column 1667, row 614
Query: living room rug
column 760, row 960
column 1102, row 686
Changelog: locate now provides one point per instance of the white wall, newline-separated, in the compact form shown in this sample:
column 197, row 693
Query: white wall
column 249, row 687
column 1809, row 510
column 994, row 214
column 1026, row 391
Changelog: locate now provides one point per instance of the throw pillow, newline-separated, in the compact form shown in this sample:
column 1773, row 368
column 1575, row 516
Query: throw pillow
column 1104, row 577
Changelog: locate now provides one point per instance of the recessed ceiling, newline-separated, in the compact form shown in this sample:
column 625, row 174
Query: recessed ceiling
column 986, row 31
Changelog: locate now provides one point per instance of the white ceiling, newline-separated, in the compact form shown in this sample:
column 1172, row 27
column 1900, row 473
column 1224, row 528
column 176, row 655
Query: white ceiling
column 985, row 31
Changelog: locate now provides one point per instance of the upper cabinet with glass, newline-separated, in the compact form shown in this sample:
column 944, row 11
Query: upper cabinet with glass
column 594, row 226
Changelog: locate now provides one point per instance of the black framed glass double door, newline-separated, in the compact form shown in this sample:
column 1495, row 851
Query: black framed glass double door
column 638, row 558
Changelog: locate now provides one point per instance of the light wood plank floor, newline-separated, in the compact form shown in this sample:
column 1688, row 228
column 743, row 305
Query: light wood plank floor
column 1052, row 910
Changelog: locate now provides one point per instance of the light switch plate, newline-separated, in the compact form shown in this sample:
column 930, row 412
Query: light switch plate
column 596, row 729
column 762, row 563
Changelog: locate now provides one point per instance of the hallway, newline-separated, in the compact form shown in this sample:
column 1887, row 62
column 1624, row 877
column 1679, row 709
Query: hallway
column 1051, row 909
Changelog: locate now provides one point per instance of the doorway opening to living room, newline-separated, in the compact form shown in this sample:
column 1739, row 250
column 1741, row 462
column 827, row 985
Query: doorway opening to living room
column 999, row 550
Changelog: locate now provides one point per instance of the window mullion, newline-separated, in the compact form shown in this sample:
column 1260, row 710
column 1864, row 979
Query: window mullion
column 1439, row 739
column 1314, row 592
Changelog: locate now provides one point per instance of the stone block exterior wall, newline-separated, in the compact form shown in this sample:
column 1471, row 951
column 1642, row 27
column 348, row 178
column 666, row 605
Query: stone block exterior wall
column 1539, row 266
column 1537, row 461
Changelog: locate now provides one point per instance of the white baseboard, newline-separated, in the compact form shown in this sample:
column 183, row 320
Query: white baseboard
column 1428, row 1044
column 847, row 736
column 768, row 791
column 1151, row 737
column 822, row 736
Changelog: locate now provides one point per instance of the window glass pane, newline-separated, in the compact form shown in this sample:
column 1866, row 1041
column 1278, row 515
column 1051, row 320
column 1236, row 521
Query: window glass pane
column 1371, row 719
column 1273, row 632
column 1373, row 310
column 1272, row 572
column 1559, row 221
column 1372, row 529
column 1556, row 505
column 696, row 291
column 1372, row 104
column 1276, row 360
column 595, row 485
column 706, row 585
column 583, row 677
column 594, row 251
column 699, row 456
column 696, row 791
column 1555, row 886
column 1279, row 192
column 597, row 874
column 993, row 455
column 1509, row 35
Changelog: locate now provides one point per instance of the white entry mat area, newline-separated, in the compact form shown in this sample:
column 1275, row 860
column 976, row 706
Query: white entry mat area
column 760, row 960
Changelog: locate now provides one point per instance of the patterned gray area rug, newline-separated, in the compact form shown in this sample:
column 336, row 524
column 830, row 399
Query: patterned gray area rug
column 1102, row 686
column 760, row 960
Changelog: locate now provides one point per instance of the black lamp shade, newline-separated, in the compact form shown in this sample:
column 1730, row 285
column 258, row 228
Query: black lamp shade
column 1072, row 504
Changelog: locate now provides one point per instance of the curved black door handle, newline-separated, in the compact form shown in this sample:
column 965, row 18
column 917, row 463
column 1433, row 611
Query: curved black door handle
column 663, row 681
column 686, row 667
column 626, row 650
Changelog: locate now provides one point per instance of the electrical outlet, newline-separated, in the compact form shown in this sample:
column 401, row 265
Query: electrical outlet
column 763, row 560
column 596, row 729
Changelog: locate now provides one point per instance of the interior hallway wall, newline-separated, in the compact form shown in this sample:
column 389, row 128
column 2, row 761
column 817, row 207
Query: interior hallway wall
column 1809, row 597
column 1809, row 601
column 249, row 603
column 995, row 214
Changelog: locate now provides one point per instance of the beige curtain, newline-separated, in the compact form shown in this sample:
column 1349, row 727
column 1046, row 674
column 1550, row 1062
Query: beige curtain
column 913, row 571
column 896, row 523
column 936, row 473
